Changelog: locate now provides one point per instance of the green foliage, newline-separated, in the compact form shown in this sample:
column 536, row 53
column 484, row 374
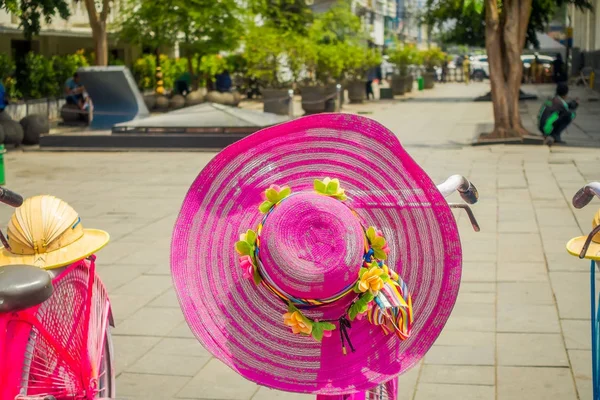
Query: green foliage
column 208, row 26
column 331, row 60
column 337, row 25
column 7, row 70
column 172, row 69
column 148, row 23
column 336, row 33
column 38, row 79
column 458, row 24
column 463, row 22
column 301, row 55
column 432, row 57
column 7, row 67
column 263, row 51
column 287, row 15
column 112, row 60
column 213, row 64
column 402, row 56
column 30, row 13
column 65, row 66
column 359, row 60
column 144, row 72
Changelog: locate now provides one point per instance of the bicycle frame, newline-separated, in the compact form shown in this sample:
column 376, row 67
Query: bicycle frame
column 581, row 199
column 16, row 329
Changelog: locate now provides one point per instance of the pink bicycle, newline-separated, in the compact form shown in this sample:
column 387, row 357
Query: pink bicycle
column 55, row 338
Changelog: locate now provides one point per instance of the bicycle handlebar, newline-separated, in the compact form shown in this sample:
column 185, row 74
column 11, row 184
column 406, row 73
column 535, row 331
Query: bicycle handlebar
column 10, row 198
column 459, row 183
column 584, row 195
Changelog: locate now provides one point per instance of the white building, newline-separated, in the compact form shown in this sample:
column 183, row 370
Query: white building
column 60, row 37
column 410, row 30
column 586, row 27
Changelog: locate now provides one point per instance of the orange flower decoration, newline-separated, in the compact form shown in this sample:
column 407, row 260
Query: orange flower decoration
column 371, row 279
column 297, row 322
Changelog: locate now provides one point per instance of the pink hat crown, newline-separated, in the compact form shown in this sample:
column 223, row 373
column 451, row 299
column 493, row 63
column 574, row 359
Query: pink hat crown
column 312, row 250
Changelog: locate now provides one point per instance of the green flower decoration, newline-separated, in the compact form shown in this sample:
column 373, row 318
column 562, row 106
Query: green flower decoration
column 274, row 195
column 361, row 305
column 246, row 246
column 330, row 187
column 378, row 243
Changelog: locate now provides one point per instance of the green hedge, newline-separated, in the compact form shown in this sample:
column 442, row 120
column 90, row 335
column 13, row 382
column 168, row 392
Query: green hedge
column 144, row 71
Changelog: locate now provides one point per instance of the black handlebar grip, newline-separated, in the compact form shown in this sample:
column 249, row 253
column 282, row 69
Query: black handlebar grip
column 11, row 198
column 471, row 195
column 582, row 198
column 584, row 195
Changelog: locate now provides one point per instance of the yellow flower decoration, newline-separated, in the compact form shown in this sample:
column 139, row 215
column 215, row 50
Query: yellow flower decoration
column 297, row 322
column 371, row 279
column 330, row 187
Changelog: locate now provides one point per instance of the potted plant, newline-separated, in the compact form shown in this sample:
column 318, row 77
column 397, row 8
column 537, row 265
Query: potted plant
column 264, row 53
column 333, row 32
column 319, row 91
column 432, row 58
column 359, row 61
column 403, row 56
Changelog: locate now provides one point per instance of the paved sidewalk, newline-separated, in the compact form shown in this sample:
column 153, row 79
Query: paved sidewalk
column 520, row 329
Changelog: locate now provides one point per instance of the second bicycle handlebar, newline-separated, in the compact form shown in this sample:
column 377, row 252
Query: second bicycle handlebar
column 10, row 198
column 459, row 183
column 584, row 195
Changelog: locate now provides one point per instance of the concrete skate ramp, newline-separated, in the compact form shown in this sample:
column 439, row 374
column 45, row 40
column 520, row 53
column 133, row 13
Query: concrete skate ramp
column 115, row 95
column 203, row 118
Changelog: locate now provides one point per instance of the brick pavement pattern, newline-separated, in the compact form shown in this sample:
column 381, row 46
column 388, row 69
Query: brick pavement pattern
column 520, row 328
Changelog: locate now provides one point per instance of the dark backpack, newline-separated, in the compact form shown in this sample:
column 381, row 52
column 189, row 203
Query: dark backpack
column 550, row 112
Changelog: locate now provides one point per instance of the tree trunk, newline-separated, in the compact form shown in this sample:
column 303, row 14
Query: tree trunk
column 99, row 33
column 505, row 40
column 518, row 14
column 101, row 45
column 493, row 44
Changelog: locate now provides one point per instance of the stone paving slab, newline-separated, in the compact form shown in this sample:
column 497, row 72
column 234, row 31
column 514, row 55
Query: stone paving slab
column 520, row 328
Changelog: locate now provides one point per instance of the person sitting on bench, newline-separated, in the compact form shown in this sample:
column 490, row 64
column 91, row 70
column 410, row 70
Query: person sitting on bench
column 76, row 94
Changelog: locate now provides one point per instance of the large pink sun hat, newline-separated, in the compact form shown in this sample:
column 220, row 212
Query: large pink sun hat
column 316, row 256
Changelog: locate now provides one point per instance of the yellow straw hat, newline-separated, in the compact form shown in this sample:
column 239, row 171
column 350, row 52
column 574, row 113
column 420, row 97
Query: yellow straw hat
column 46, row 232
column 575, row 245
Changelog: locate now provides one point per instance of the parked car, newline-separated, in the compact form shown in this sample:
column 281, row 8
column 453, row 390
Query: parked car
column 480, row 68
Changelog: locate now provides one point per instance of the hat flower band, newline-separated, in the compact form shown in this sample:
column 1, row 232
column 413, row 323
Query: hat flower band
column 380, row 293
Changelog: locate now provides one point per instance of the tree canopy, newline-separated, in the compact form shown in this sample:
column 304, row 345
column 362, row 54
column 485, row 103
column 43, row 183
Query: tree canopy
column 30, row 13
column 461, row 22
column 202, row 26
column 148, row 23
column 286, row 15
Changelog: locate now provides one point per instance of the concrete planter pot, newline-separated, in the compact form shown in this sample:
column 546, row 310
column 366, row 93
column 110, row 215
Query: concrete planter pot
column 409, row 81
column 176, row 102
column 318, row 99
column 399, row 84
column 429, row 80
column 276, row 101
column 357, row 91
column 162, row 103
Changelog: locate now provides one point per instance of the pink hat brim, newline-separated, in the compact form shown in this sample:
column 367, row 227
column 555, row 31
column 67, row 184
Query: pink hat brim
column 242, row 324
